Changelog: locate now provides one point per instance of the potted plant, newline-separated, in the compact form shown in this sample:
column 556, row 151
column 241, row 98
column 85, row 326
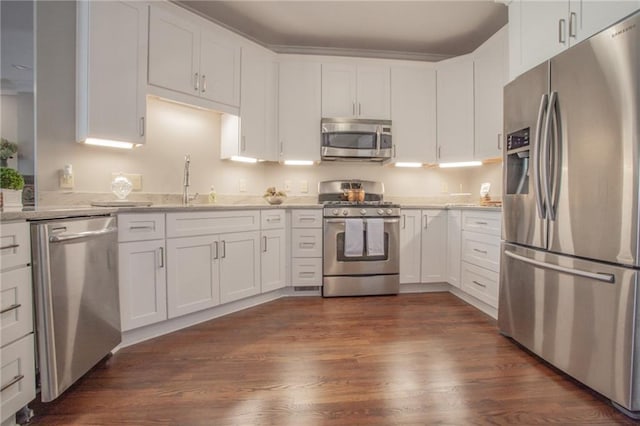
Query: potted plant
column 7, row 150
column 11, row 184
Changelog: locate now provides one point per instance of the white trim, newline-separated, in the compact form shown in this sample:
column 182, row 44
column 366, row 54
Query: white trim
column 424, row 288
column 476, row 303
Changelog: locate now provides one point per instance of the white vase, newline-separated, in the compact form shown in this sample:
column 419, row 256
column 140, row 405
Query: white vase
column 11, row 200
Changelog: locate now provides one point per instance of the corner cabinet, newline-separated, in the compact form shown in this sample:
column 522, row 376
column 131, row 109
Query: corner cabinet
column 299, row 110
column 413, row 112
column 191, row 56
column 360, row 91
column 455, row 102
column 111, row 63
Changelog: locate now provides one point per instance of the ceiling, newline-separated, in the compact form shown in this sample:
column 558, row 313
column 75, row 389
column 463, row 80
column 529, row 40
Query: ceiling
column 419, row 30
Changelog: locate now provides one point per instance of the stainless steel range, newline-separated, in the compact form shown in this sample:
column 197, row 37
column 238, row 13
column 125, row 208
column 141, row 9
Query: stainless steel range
column 361, row 239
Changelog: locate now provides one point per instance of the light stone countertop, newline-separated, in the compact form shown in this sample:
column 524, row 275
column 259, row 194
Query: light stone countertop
column 53, row 212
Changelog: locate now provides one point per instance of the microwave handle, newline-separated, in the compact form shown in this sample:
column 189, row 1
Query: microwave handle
column 378, row 138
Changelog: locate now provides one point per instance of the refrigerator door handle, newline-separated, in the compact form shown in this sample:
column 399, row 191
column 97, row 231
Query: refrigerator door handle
column 548, row 174
column 542, row 213
column 607, row 278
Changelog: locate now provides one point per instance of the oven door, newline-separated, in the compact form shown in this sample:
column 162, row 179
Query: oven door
column 337, row 264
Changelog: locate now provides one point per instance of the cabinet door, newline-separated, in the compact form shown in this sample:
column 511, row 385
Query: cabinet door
column 299, row 110
column 112, row 69
column 143, row 283
column 590, row 17
column 273, row 260
column 374, row 92
column 413, row 112
column 434, row 246
column 252, row 104
column 454, row 237
column 410, row 246
column 455, row 109
column 339, row 90
column 219, row 68
column 490, row 76
column 544, row 30
column 192, row 274
column 174, row 52
column 16, row 304
column 239, row 265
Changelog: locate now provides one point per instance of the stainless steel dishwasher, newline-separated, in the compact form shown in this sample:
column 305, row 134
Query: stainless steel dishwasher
column 77, row 303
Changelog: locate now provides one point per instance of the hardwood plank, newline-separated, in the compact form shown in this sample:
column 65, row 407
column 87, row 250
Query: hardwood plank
column 407, row 359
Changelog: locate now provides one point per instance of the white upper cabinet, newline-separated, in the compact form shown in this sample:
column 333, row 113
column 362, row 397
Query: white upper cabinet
column 541, row 29
column 361, row 91
column 413, row 113
column 192, row 57
column 490, row 76
column 455, row 109
column 111, row 71
column 299, row 110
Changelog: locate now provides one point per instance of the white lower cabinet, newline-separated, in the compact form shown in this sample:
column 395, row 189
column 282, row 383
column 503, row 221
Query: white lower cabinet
column 143, row 283
column 17, row 376
column 306, row 248
column 272, row 262
column 239, row 265
column 454, row 239
column 423, row 246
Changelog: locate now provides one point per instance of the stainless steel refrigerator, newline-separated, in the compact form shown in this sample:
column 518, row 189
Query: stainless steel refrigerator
column 570, row 256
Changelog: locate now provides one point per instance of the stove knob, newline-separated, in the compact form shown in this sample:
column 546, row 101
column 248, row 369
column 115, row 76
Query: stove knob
column 380, row 212
column 345, row 212
column 363, row 212
column 335, row 212
column 389, row 211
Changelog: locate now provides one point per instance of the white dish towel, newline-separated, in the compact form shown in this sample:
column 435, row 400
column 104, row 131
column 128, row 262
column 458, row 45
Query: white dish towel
column 375, row 237
column 353, row 237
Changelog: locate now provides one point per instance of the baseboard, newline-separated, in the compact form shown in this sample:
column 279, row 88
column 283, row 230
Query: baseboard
column 424, row 288
column 478, row 304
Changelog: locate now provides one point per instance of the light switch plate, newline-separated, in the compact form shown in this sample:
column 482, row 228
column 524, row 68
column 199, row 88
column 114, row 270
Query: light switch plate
column 135, row 178
column 242, row 184
column 304, row 186
column 287, row 185
column 65, row 182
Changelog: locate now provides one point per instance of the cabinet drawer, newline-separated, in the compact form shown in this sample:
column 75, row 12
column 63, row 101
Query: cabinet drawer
column 272, row 219
column 17, row 376
column 306, row 242
column 16, row 305
column 206, row 223
column 481, row 250
column 484, row 222
column 480, row 283
column 140, row 227
column 15, row 245
column 306, row 272
column 306, row 218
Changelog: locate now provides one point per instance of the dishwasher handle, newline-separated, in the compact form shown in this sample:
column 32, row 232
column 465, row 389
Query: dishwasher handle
column 78, row 235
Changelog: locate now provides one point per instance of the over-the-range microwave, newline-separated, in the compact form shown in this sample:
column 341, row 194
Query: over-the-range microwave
column 356, row 139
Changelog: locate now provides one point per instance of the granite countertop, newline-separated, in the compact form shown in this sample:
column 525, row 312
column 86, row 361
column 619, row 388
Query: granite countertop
column 53, row 212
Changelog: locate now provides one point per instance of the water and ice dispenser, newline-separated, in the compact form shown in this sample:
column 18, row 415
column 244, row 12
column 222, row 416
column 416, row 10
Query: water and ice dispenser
column 518, row 164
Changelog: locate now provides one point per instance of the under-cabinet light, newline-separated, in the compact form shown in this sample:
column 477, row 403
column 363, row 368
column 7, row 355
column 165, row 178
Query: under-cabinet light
column 406, row 164
column 110, row 143
column 243, row 159
column 461, row 164
column 298, row 163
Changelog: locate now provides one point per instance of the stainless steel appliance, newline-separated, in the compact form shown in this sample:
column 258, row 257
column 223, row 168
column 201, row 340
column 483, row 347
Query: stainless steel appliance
column 570, row 257
column 356, row 139
column 360, row 240
column 77, row 303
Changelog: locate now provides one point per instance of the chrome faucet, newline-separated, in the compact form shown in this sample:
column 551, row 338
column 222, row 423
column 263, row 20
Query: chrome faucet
column 186, row 199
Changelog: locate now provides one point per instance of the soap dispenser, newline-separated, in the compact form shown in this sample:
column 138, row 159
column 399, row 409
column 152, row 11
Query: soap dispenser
column 212, row 195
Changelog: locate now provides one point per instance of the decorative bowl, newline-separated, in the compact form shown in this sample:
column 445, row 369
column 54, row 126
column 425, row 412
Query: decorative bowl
column 274, row 199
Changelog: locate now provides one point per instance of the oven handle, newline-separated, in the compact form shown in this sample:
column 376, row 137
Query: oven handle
column 386, row 220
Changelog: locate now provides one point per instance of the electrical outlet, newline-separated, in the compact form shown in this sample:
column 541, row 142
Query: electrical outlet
column 304, row 186
column 444, row 188
column 242, row 184
column 134, row 178
column 65, row 182
column 287, row 185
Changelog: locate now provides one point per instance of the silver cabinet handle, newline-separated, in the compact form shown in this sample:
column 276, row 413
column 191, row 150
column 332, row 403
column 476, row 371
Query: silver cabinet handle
column 359, row 108
column 404, row 221
column 196, row 84
column 439, row 152
column 273, row 219
column 243, row 143
column 307, row 245
column 264, row 238
column 479, row 284
column 394, row 151
column 224, row 249
column 10, row 246
column 573, row 23
column 281, row 148
column 140, row 227
column 204, row 83
column 561, row 30
column 78, row 235
column 306, row 274
column 353, row 108
column 607, row 278
column 10, row 308
column 215, row 250
column 481, row 223
column 480, row 251
column 307, row 219
column 499, row 141
column 426, row 221
column 542, row 212
column 161, row 252
column 13, row 381
column 141, row 126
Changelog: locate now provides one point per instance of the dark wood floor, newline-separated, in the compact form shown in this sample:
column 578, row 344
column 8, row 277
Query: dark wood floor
column 397, row 360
